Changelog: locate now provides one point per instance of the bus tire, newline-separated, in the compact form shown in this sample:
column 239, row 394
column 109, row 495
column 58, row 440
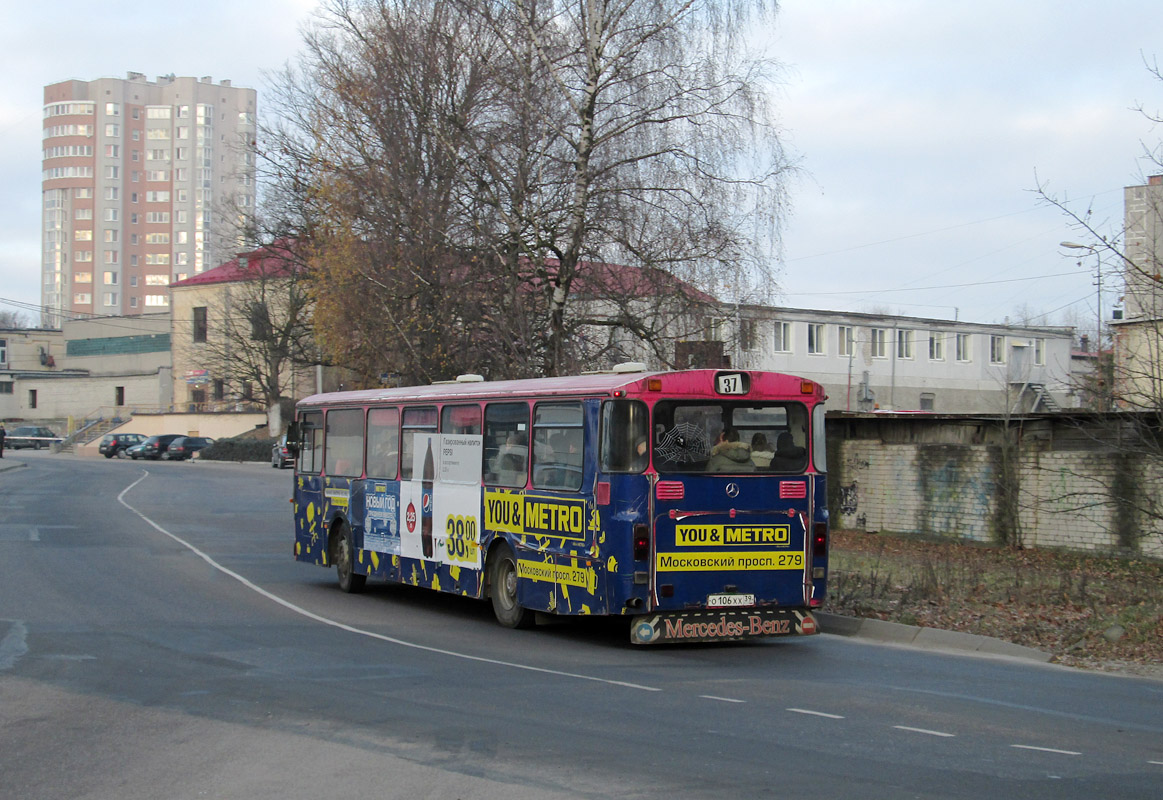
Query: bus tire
column 350, row 581
column 503, row 589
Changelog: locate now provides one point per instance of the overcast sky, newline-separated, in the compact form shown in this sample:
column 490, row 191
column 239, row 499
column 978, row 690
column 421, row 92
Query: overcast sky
column 921, row 128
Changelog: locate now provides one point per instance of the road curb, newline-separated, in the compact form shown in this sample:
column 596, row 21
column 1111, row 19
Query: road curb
column 927, row 638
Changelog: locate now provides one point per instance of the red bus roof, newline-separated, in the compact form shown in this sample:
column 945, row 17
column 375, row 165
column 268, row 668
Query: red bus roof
column 694, row 383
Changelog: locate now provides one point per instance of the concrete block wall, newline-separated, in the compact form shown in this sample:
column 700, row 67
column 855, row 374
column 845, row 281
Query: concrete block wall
column 950, row 490
column 934, row 489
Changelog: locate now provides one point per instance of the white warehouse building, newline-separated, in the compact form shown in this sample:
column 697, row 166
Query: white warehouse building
column 876, row 361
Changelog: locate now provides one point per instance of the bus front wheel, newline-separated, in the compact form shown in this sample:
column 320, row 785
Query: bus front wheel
column 349, row 580
column 503, row 589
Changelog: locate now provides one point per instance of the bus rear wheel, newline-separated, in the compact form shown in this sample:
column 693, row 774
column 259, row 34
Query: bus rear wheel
column 350, row 581
column 503, row 589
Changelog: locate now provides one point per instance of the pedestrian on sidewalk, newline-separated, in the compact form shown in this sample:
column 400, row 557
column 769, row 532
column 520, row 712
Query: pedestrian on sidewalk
column 2, row 435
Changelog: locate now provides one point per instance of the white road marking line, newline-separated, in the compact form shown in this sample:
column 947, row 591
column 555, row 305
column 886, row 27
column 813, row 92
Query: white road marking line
column 351, row 629
column 1156, row 763
column 721, row 699
column 1045, row 749
column 814, row 713
column 925, row 731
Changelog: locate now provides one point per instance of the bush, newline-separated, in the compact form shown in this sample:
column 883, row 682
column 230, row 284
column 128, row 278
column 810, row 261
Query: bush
column 239, row 448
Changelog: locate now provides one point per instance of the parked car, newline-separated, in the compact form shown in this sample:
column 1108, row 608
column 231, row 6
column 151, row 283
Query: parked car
column 115, row 444
column 134, row 451
column 153, row 447
column 281, row 455
column 30, row 436
column 184, row 447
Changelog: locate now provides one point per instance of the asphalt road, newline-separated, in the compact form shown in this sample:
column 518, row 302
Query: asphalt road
column 157, row 640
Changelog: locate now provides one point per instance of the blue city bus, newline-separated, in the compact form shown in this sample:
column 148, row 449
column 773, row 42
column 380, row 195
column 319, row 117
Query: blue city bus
column 692, row 502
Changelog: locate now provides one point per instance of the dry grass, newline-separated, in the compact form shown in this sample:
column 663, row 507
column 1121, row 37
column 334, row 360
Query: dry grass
column 1087, row 610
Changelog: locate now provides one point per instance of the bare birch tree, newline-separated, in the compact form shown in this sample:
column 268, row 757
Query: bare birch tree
column 472, row 169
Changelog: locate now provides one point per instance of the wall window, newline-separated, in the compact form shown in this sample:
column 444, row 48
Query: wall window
column 4, row 354
column 83, row 213
column 111, row 214
column 963, row 350
column 928, row 401
column 782, row 339
column 1040, row 352
column 82, row 298
column 83, row 194
column 936, row 346
column 6, row 387
column 113, row 109
column 878, row 342
column 32, row 398
column 83, row 277
column 112, row 235
column 110, row 298
column 904, row 344
column 747, row 334
column 82, row 236
column 997, row 349
column 815, row 339
column 199, row 323
column 112, row 131
column 845, row 339
column 157, row 300
column 110, row 278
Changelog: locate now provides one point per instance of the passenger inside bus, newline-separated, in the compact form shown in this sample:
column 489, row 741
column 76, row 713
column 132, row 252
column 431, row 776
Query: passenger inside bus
column 729, row 454
column 509, row 464
column 761, row 452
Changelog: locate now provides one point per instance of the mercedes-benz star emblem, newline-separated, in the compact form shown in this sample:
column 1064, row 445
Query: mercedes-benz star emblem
column 732, row 490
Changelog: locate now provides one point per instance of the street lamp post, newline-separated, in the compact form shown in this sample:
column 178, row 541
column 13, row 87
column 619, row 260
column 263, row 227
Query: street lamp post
column 1098, row 283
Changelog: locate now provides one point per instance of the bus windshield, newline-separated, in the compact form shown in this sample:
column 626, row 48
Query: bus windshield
column 730, row 437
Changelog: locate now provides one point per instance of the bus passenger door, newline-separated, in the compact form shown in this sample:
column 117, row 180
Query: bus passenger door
column 310, row 532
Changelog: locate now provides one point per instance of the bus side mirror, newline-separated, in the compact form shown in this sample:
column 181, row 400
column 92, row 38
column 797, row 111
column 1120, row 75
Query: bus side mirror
column 294, row 438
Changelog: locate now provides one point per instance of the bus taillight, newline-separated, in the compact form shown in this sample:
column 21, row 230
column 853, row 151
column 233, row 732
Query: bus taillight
column 820, row 540
column 641, row 542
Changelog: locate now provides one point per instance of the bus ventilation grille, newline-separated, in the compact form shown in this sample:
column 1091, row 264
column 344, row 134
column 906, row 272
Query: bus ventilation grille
column 790, row 490
column 669, row 490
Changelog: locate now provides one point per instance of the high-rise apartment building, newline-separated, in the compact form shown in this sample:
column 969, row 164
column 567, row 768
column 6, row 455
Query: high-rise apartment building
column 144, row 183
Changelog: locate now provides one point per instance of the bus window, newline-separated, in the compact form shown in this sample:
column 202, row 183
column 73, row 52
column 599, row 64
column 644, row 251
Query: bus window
column 460, row 419
column 311, row 455
column 383, row 442
column 730, row 437
column 416, row 420
column 557, row 446
column 344, row 454
column 506, row 444
column 625, row 436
